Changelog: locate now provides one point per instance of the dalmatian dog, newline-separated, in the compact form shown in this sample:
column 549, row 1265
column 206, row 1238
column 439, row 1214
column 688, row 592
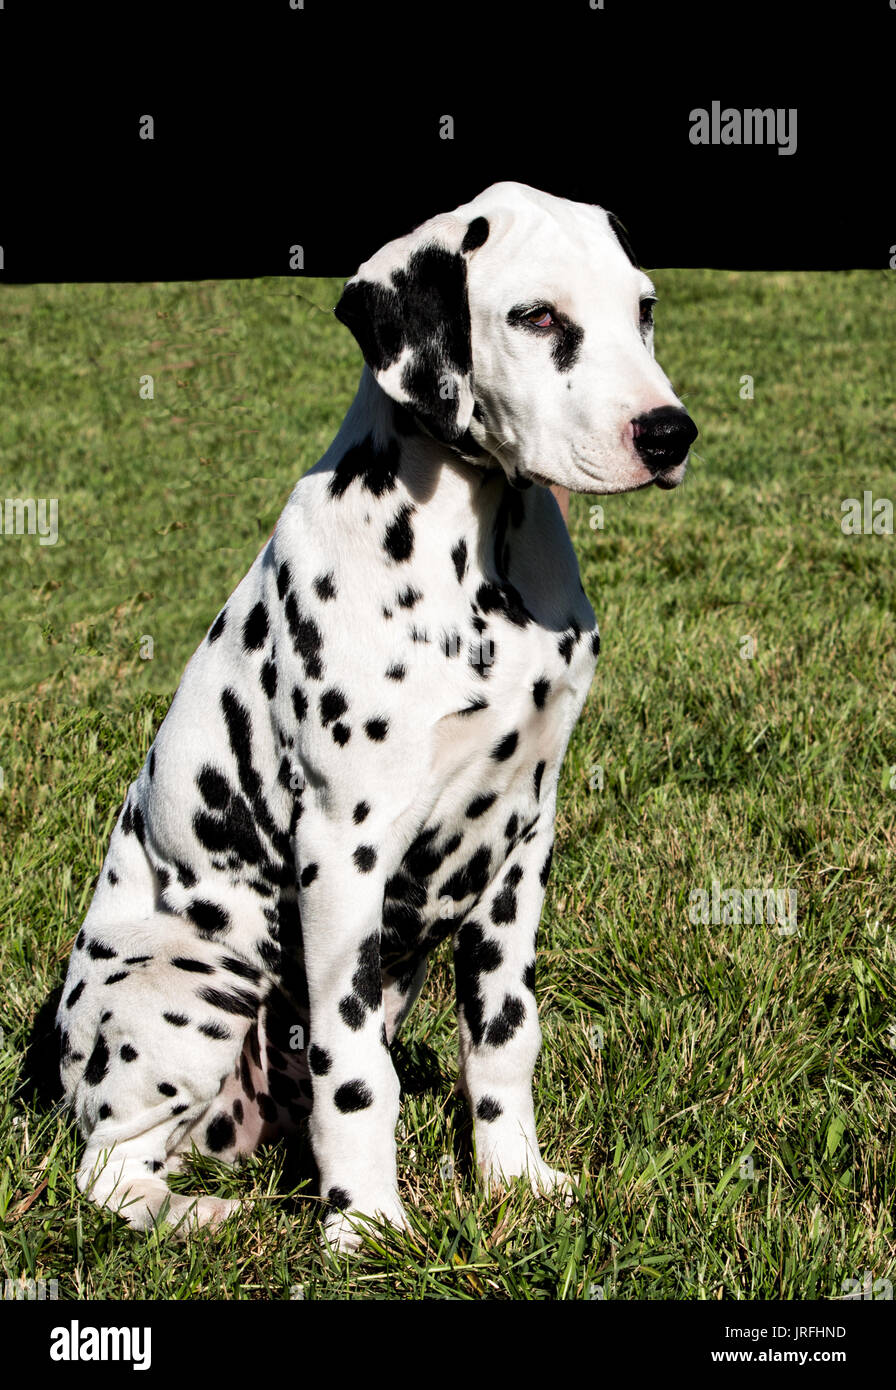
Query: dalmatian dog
column 362, row 756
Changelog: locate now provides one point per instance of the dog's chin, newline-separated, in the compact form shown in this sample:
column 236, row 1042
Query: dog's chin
column 670, row 477
column 627, row 479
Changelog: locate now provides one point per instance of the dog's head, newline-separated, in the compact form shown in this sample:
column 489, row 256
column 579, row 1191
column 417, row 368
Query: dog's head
column 518, row 329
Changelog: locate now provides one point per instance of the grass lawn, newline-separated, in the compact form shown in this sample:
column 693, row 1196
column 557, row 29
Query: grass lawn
column 726, row 1091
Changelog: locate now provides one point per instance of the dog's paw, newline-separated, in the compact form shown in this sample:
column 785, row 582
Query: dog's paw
column 344, row 1230
column 187, row 1215
column 544, row 1180
column 551, row 1182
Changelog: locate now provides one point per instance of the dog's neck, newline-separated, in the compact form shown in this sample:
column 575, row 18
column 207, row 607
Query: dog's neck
column 474, row 498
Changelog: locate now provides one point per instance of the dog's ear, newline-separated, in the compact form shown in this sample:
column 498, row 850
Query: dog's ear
column 407, row 307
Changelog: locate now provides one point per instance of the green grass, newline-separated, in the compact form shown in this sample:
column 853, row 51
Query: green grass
column 672, row 1051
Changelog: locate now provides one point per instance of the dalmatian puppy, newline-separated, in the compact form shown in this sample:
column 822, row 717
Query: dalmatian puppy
column 363, row 753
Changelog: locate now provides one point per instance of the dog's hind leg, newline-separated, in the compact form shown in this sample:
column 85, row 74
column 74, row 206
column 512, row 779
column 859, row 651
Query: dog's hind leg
column 150, row 1039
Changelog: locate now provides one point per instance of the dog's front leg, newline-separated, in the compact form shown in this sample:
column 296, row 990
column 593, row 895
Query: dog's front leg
column 498, row 1029
column 356, row 1091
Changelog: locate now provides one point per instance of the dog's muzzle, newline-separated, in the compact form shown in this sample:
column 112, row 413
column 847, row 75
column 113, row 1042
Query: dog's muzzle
column 662, row 438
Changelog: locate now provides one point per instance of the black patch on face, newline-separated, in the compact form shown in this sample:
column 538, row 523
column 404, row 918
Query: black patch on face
column 506, row 748
column 376, row 729
column 97, row 1063
column 324, row 587
column 567, row 343
column 425, row 308
column 536, row 780
column 488, row 1109
column 353, row 1095
column 218, row 626
column 566, row 336
column 505, row 1024
column 319, row 1060
column 255, row 628
column 220, row 1134
column 398, row 542
column 622, row 237
column 476, row 234
column 375, row 468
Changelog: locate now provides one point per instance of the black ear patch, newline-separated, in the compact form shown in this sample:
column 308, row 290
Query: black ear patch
column 622, row 238
column 424, row 309
column 476, row 234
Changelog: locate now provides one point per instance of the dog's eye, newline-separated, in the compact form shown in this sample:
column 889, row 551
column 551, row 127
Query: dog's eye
column 647, row 312
column 540, row 318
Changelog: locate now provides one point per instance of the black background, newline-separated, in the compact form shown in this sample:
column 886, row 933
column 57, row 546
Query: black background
column 320, row 127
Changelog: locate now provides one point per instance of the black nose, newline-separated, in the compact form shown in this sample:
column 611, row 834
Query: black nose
column 663, row 436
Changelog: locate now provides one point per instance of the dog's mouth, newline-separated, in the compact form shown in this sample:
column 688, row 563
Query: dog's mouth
column 668, row 481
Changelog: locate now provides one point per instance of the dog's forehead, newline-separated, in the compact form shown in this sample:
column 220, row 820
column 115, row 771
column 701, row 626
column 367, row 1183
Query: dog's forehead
column 549, row 246
column 516, row 212
column 514, row 226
